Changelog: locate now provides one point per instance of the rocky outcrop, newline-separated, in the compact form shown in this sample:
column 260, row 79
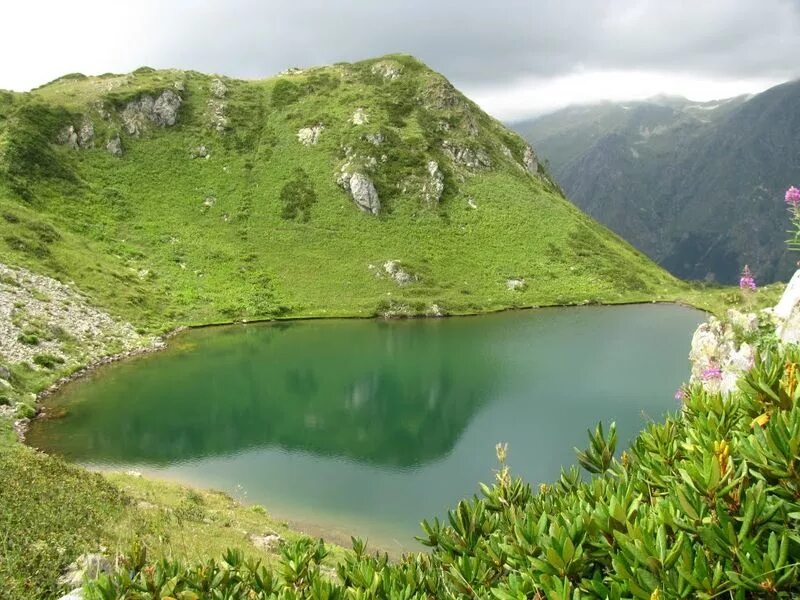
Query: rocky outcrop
column 309, row 136
column 68, row 137
column 114, row 146
column 465, row 156
column 433, row 188
column 388, row 69
column 721, row 350
column 719, row 355
column 529, row 160
column 161, row 111
column 362, row 190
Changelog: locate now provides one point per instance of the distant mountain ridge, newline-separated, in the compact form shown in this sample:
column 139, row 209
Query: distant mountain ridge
column 697, row 186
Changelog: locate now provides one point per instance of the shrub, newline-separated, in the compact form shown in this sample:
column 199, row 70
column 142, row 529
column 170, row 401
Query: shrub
column 28, row 338
column 25, row 410
column 48, row 361
column 297, row 197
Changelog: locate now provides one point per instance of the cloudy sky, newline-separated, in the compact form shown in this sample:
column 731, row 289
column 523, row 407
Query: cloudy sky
column 515, row 58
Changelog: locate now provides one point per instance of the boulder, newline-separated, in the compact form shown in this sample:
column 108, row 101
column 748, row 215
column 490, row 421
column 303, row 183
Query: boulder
column 165, row 109
column 364, row 193
column 718, row 353
column 68, row 137
column 309, row 136
column 86, row 134
column 515, row 283
column 269, row 541
column 76, row 594
column 87, row 566
column 161, row 111
column 200, row 152
column 114, row 146
column 218, row 88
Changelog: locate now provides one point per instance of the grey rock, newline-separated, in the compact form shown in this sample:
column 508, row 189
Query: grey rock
column 515, row 283
column 376, row 139
column 364, row 193
column 309, row 136
column 394, row 269
column 87, row 566
column 200, row 152
column 5, row 373
column 76, row 594
column 434, row 187
column 114, row 146
column 388, row 69
column 161, row 111
column 68, row 137
column 86, row 134
column 179, row 86
column 165, row 108
column 530, row 161
column 467, row 157
column 269, row 541
column 218, row 88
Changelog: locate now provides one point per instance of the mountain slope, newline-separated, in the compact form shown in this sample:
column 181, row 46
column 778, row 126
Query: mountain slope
column 356, row 189
column 698, row 187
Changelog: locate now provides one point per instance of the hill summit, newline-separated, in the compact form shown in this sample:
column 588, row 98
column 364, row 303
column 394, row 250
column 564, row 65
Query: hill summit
column 175, row 197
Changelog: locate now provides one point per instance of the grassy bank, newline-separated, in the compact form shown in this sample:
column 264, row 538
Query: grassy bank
column 51, row 512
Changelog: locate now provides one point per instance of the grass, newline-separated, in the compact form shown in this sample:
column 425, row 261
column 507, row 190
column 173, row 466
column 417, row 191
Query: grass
column 50, row 512
column 102, row 221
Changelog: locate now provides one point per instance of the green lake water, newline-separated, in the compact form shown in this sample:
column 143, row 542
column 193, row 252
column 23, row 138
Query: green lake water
column 366, row 427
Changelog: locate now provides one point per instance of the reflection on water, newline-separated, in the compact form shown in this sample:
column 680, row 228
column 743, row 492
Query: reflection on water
column 371, row 426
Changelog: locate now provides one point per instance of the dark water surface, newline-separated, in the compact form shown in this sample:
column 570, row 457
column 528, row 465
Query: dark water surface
column 367, row 427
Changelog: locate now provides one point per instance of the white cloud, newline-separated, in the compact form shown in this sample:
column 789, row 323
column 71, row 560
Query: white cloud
column 533, row 96
column 515, row 56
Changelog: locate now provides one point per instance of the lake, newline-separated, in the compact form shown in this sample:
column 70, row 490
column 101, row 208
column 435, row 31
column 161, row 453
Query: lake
column 366, row 427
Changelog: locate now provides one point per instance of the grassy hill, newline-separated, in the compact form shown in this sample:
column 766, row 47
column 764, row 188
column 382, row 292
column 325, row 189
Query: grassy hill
column 175, row 197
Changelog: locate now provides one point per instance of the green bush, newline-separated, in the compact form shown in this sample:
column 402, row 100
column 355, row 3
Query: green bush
column 30, row 339
column 25, row 410
column 297, row 197
column 48, row 361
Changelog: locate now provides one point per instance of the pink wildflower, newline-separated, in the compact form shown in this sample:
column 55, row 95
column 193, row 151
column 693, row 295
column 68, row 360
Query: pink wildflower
column 793, row 197
column 680, row 395
column 747, row 281
column 712, row 372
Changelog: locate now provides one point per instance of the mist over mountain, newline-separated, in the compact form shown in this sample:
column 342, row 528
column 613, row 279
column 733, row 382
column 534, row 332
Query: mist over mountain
column 696, row 186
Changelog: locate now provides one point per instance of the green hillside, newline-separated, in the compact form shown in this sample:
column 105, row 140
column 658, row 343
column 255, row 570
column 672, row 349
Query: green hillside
column 174, row 197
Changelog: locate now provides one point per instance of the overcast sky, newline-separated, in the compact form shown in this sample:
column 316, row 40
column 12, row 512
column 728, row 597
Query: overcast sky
column 515, row 58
